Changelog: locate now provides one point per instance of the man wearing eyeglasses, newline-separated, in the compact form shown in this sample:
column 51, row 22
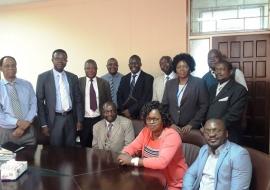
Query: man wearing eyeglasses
column 18, row 106
column 221, row 164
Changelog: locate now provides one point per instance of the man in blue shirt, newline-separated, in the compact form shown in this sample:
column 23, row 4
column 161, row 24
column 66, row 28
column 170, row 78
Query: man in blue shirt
column 18, row 106
column 113, row 77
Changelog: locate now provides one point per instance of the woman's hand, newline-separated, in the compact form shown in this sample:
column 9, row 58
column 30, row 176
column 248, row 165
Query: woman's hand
column 124, row 159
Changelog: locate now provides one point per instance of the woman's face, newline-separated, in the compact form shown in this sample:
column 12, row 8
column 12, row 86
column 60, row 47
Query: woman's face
column 154, row 121
column 182, row 69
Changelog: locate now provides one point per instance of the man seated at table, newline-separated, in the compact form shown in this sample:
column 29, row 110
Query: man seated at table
column 221, row 164
column 114, row 131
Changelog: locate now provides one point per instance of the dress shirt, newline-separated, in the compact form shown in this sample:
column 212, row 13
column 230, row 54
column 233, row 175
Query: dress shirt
column 58, row 105
column 116, row 82
column 172, row 75
column 221, row 86
column 107, row 125
column 27, row 99
column 88, row 112
column 208, row 175
column 136, row 78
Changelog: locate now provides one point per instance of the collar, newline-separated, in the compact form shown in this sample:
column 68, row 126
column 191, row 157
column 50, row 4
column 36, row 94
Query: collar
column 107, row 123
column 4, row 81
column 223, row 84
column 137, row 74
column 218, row 150
column 171, row 76
column 56, row 73
column 94, row 79
column 212, row 73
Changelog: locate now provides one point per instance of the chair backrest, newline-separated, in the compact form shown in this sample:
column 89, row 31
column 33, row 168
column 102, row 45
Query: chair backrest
column 192, row 142
column 138, row 126
column 261, row 169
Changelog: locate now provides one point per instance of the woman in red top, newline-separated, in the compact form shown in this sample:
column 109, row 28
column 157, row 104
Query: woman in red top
column 159, row 145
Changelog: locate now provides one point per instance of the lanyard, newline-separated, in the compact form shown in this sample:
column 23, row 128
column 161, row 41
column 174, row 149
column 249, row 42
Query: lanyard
column 179, row 94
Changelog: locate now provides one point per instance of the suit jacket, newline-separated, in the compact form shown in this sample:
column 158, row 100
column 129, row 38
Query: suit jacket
column 233, row 170
column 229, row 104
column 142, row 92
column 104, row 91
column 46, row 97
column 194, row 103
column 122, row 134
column 158, row 88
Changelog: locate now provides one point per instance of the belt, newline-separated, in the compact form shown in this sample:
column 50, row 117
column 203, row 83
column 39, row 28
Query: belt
column 63, row 113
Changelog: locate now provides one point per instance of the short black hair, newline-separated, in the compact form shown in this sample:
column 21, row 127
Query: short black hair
column 59, row 51
column 187, row 58
column 226, row 63
column 7, row 56
column 163, row 110
column 217, row 53
column 135, row 57
column 91, row 62
column 167, row 58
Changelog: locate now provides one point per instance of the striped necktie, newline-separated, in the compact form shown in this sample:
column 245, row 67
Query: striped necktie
column 15, row 103
column 132, row 84
column 112, row 88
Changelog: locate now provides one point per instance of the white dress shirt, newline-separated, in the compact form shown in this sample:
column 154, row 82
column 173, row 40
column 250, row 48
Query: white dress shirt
column 88, row 112
column 221, row 86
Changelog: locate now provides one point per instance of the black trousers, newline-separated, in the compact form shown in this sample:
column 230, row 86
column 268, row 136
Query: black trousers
column 86, row 134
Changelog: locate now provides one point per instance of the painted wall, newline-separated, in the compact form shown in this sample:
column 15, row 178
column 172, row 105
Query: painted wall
column 96, row 29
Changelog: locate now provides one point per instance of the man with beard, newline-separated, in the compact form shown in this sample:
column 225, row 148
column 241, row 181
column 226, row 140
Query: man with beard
column 228, row 100
column 221, row 164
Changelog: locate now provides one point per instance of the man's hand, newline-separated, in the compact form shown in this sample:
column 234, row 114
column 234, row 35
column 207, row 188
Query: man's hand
column 124, row 159
column 186, row 129
column 23, row 124
column 18, row 132
column 79, row 126
column 45, row 131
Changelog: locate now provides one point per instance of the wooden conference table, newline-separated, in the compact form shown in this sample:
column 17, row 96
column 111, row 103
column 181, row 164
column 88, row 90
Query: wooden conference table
column 51, row 168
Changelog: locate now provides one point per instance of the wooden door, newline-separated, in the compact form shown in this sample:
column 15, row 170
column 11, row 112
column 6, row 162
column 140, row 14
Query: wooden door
column 251, row 54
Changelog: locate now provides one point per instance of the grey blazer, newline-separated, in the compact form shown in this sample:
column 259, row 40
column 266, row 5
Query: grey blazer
column 46, row 97
column 122, row 134
column 103, row 91
column 194, row 103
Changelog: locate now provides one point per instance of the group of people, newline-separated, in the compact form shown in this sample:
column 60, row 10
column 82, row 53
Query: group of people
column 101, row 109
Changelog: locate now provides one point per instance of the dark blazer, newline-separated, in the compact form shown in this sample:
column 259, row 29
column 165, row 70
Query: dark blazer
column 229, row 104
column 142, row 92
column 104, row 91
column 46, row 97
column 194, row 103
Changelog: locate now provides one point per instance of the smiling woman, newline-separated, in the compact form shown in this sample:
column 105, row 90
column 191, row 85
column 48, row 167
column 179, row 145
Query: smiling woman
column 159, row 145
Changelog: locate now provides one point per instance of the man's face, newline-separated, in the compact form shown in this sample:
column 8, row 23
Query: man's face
column 134, row 65
column 165, row 66
column 212, row 59
column 112, row 66
column 9, row 68
column 59, row 60
column 109, row 113
column 215, row 134
column 90, row 70
column 222, row 72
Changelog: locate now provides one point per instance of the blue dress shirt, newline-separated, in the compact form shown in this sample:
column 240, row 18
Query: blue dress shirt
column 27, row 99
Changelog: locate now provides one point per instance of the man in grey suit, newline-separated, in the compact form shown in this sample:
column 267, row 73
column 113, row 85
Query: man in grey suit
column 114, row 131
column 95, row 92
column 59, row 102
column 221, row 164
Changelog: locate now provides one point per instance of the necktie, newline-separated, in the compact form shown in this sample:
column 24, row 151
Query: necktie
column 63, row 93
column 112, row 88
column 16, row 106
column 109, row 132
column 167, row 78
column 93, row 97
column 132, row 84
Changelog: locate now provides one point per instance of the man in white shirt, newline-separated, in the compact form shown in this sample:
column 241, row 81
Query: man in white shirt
column 166, row 67
column 95, row 92
column 221, row 164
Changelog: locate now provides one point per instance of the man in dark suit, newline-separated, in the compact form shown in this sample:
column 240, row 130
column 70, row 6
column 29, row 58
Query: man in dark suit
column 59, row 102
column 95, row 92
column 135, row 89
column 228, row 100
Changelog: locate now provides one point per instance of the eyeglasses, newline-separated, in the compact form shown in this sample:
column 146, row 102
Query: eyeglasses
column 152, row 119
